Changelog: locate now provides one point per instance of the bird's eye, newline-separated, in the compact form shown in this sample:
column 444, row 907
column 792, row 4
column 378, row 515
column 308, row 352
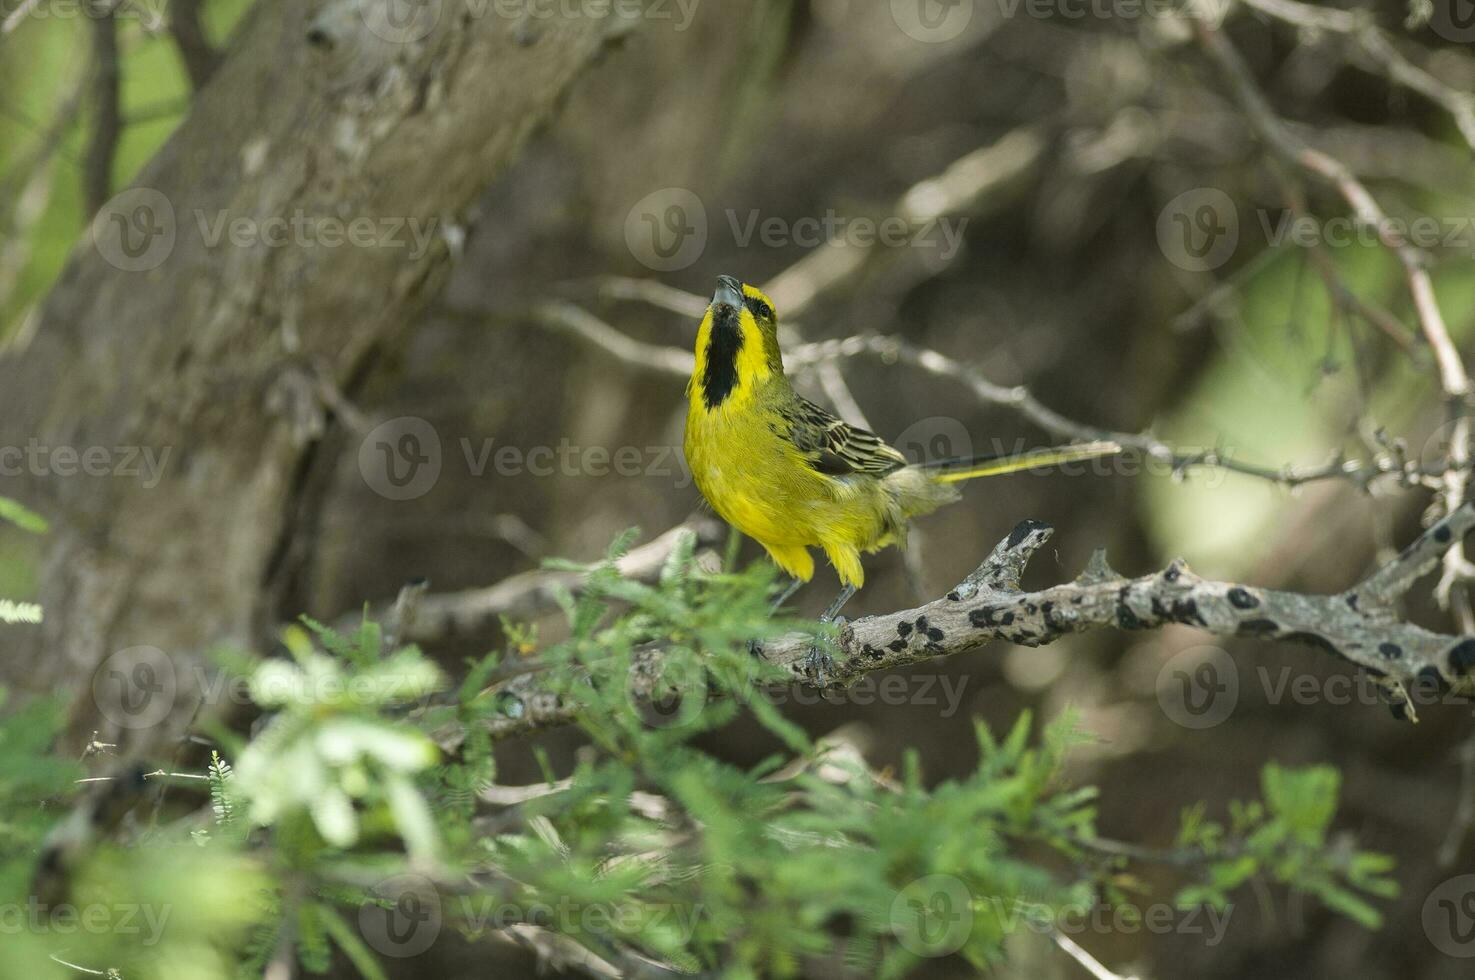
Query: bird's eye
column 763, row 311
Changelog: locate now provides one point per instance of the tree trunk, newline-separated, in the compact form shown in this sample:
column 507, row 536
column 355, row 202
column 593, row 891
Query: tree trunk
column 207, row 325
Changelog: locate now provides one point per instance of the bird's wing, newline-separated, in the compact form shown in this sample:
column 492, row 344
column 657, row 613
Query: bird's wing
column 837, row 448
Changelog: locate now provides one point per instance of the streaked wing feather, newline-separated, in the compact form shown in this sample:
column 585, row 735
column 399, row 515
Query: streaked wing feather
column 834, row 447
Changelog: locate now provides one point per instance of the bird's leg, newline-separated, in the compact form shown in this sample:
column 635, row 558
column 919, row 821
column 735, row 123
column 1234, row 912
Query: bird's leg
column 753, row 646
column 785, row 595
column 833, row 613
column 818, row 663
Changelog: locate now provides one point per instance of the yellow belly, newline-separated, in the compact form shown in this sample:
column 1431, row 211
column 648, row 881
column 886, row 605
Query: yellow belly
column 759, row 483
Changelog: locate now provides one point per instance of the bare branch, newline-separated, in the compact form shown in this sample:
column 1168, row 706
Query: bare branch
column 1453, row 379
column 577, row 321
column 1288, row 145
column 12, row 20
column 1018, row 398
column 1378, row 48
column 1088, row 962
column 968, row 184
column 107, row 122
column 451, row 614
column 1359, row 625
column 199, row 56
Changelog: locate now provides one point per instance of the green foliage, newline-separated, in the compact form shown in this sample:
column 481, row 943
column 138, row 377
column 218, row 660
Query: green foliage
column 1284, row 838
column 650, row 845
column 33, row 784
column 13, row 512
column 21, row 516
column 170, row 907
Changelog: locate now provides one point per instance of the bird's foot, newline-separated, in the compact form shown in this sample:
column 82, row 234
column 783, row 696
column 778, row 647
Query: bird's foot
column 818, row 666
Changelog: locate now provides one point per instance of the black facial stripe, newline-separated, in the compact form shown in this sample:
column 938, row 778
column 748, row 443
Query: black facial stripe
column 721, row 374
column 757, row 307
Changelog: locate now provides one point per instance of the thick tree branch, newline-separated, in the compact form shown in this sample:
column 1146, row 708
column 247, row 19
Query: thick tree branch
column 199, row 57
column 1360, row 625
column 198, row 344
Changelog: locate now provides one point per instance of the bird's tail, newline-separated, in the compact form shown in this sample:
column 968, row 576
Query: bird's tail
column 968, row 467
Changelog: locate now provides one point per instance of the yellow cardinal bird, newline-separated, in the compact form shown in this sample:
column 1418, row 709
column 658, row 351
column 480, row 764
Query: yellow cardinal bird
column 792, row 476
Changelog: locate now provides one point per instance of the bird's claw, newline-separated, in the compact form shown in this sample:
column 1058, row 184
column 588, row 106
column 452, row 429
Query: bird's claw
column 818, row 666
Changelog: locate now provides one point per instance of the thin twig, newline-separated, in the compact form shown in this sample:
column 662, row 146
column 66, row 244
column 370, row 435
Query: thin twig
column 107, row 123
column 1017, row 398
column 1378, row 47
column 1075, row 951
column 1453, row 379
column 1464, row 815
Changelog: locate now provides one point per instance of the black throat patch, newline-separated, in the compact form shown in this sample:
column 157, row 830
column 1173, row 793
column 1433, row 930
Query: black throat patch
column 721, row 376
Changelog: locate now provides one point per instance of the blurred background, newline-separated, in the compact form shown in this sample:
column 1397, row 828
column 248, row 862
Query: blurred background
column 1077, row 203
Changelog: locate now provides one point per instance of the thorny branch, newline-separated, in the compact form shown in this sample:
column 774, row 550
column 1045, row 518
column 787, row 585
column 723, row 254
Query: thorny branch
column 1360, row 625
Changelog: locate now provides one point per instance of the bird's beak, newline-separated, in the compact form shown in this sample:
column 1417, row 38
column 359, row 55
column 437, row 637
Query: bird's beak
column 729, row 294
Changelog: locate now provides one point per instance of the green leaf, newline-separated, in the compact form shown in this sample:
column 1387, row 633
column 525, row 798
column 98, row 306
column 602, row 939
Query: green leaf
column 21, row 516
column 348, row 940
column 413, row 817
column 1351, row 906
column 1304, row 799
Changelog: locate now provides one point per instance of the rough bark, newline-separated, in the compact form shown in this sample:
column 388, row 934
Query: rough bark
column 217, row 354
column 1360, row 625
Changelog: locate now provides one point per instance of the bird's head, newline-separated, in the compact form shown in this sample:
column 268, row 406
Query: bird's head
column 737, row 345
column 737, row 304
